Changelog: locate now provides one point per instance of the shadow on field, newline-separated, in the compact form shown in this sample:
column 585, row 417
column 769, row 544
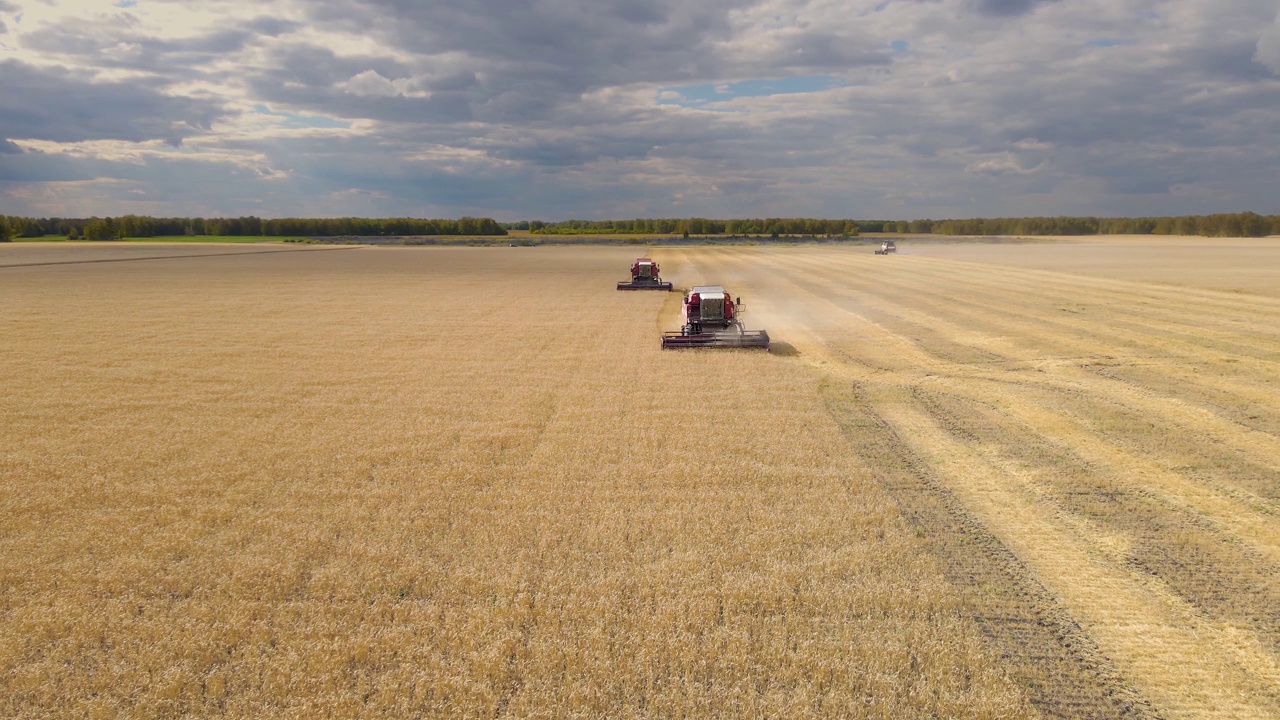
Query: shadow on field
column 784, row 349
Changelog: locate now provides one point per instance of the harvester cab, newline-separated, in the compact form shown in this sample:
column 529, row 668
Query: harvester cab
column 708, row 306
column 711, row 320
column 644, row 276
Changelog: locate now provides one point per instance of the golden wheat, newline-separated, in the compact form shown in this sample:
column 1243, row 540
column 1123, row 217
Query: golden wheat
column 450, row 482
column 1117, row 437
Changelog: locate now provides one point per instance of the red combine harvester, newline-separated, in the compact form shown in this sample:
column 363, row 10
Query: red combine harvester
column 887, row 247
column 644, row 276
column 711, row 321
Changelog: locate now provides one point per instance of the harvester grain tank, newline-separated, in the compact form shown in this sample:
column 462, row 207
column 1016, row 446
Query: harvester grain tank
column 711, row 320
column 644, row 276
column 887, row 247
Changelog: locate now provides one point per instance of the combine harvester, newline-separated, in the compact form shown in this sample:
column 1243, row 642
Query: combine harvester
column 711, row 321
column 887, row 247
column 644, row 276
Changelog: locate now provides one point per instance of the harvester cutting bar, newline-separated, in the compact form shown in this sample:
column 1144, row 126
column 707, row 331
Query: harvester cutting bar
column 745, row 339
column 645, row 286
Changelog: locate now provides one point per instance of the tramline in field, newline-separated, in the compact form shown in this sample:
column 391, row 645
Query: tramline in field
column 644, row 276
column 711, row 321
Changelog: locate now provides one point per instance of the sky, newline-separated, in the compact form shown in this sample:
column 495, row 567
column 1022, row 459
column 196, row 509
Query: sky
column 600, row 109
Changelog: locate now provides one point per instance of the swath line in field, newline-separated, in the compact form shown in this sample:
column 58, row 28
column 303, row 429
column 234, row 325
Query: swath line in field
column 1145, row 533
column 1148, row 629
column 1244, row 515
column 1156, row 302
column 1249, row 518
column 1148, row 612
column 1059, row 666
column 1007, row 311
column 1064, row 374
column 1008, row 299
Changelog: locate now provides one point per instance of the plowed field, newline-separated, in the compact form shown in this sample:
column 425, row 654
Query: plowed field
column 972, row 480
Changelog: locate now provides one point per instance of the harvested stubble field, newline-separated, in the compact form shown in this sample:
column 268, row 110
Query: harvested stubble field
column 465, row 482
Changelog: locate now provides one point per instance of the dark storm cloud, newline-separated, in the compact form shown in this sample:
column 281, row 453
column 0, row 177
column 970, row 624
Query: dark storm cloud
column 816, row 51
column 433, row 90
column 1233, row 61
column 1006, row 8
column 318, row 78
column 529, row 62
column 50, row 104
column 576, row 44
column 386, row 180
column 315, row 78
column 575, row 150
column 320, row 68
column 990, row 8
column 118, row 42
column 458, row 82
column 41, row 167
column 270, row 27
column 439, row 108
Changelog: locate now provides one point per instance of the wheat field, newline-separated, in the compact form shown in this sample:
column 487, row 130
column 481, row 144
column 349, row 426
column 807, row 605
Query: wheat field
column 465, row 482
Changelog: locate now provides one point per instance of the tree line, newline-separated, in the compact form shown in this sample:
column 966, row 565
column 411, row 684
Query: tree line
column 1245, row 224
column 695, row 226
column 142, row 226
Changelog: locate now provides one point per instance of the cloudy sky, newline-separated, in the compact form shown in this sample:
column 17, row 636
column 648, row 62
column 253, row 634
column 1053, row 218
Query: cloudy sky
column 557, row 109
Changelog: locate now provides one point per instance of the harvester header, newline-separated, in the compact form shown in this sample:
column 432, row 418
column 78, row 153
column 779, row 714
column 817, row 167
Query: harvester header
column 711, row 320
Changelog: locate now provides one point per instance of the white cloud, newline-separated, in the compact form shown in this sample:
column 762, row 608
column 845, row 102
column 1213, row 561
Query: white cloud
column 1000, row 164
column 370, row 83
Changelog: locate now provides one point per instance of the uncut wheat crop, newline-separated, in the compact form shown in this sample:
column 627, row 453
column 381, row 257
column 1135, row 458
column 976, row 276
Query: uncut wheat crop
column 441, row 482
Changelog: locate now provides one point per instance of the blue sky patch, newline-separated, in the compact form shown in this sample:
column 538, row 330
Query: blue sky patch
column 900, row 45
column 696, row 95
column 127, row 3
column 1107, row 42
column 294, row 121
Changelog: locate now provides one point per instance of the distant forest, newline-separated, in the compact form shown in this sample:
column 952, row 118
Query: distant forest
column 141, row 226
column 1245, row 224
